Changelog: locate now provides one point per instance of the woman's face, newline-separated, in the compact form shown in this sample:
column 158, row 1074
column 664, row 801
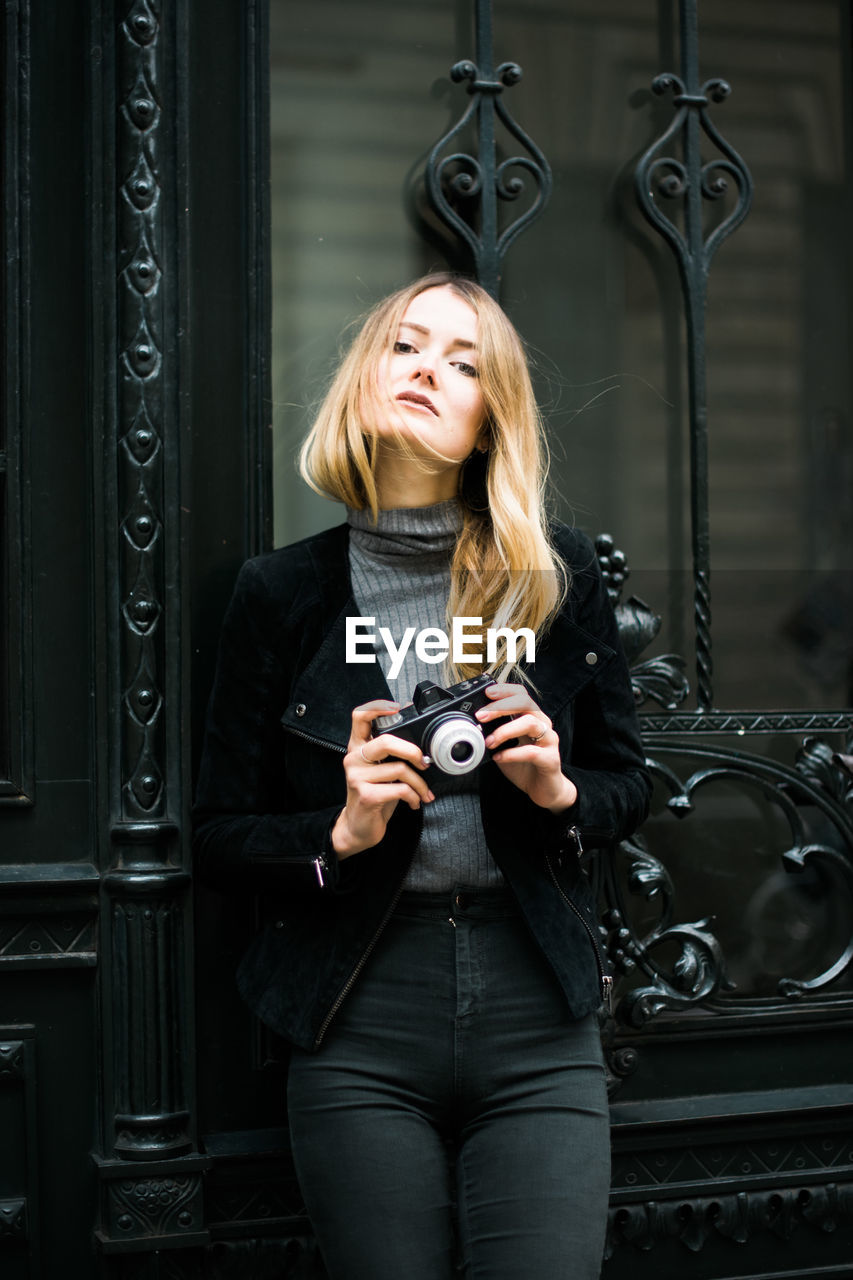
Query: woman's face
column 430, row 375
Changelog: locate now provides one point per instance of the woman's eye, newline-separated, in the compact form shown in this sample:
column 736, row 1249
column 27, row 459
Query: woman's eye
column 467, row 369
column 403, row 348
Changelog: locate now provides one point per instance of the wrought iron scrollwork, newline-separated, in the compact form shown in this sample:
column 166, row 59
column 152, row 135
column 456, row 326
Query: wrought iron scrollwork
column 661, row 176
column 813, row 801
column 456, row 179
column 691, row 180
column 699, row 970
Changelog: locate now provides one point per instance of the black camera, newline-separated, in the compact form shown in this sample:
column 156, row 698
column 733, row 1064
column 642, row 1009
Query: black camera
column 441, row 722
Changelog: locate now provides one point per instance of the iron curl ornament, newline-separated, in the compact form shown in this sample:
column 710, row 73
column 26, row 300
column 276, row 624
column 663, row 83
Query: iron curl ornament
column 456, row 180
column 689, row 180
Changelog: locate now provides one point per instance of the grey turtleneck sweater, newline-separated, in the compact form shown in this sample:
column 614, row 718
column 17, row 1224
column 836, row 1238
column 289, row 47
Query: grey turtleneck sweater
column 400, row 571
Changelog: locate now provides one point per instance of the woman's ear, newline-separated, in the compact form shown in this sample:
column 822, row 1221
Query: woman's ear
column 473, row 477
column 484, row 439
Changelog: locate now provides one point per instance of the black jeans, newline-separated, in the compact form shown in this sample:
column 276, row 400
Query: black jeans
column 453, row 1076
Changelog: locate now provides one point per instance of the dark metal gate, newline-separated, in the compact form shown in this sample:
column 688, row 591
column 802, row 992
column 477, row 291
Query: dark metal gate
column 141, row 1110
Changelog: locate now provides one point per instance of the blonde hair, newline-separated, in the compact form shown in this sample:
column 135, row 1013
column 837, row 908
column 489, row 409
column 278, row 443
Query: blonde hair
column 504, row 569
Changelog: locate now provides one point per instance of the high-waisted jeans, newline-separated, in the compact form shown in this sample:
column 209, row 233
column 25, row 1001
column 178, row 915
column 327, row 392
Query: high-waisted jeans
column 455, row 1119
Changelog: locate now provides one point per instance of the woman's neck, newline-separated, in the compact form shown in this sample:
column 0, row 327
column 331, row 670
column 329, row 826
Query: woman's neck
column 403, row 482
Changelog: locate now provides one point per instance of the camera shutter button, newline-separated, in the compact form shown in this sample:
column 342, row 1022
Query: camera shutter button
column 381, row 723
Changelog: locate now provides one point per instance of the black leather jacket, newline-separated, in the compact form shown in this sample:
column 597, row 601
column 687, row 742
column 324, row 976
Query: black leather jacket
column 271, row 784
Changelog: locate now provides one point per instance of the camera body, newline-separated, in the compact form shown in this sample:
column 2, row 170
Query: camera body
column 442, row 724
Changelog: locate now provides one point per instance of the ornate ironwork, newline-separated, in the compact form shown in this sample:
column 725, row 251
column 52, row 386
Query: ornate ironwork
column 143, row 413
column 739, row 1216
column 148, row 1066
column 744, row 723
column 455, row 181
column 819, row 782
column 140, row 1211
column 693, row 181
column 662, row 679
column 814, row 799
column 698, row 971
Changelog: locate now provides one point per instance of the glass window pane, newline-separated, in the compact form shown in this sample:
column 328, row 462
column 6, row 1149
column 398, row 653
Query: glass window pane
column 596, row 290
column 359, row 95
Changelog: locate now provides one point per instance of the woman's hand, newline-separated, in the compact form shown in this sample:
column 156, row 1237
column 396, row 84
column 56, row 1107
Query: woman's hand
column 533, row 765
column 380, row 772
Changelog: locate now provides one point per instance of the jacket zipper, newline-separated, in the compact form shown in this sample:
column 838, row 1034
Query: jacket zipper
column 365, row 955
column 318, row 742
column 605, row 979
column 319, row 863
column 351, row 980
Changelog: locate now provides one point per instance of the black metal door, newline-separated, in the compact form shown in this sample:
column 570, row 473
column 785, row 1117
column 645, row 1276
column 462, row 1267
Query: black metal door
column 113, row 311
column 49, row 893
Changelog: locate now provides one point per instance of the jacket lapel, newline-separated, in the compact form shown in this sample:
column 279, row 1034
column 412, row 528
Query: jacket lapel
column 567, row 659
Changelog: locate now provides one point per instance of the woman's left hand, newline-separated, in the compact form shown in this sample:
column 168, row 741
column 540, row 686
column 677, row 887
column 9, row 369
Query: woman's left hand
column 533, row 764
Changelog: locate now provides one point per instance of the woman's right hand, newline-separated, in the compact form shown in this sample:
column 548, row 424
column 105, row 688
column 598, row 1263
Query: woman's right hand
column 380, row 772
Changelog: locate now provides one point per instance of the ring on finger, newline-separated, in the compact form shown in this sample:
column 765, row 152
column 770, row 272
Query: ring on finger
column 364, row 757
column 539, row 736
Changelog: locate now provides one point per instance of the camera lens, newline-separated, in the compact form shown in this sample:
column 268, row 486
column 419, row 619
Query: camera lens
column 455, row 743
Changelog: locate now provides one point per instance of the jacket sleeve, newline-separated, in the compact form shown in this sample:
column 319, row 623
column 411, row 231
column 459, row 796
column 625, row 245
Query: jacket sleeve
column 605, row 759
column 242, row 839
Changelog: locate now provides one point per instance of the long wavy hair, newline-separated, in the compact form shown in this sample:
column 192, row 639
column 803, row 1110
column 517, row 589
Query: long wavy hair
column 504, row 569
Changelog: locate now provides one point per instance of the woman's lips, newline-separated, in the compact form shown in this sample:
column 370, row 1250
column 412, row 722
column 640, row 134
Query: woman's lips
column 415, row 398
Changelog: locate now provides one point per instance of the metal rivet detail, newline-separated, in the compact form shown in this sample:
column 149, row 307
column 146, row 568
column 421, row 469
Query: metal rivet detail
column 301, row 708
column 592, row 658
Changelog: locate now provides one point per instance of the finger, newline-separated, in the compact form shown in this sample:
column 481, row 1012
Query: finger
column 528, row 753
column 364, row 715
column 387, row 744
column 394, row 791
column 373, row 777
column 507, row 700
column 536, row 727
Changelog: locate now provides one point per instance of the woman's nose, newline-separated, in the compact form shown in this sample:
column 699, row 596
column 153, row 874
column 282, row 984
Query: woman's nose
column 425, row 371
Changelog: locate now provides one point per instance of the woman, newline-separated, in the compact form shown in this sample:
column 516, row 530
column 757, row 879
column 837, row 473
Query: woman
column 434, row 957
